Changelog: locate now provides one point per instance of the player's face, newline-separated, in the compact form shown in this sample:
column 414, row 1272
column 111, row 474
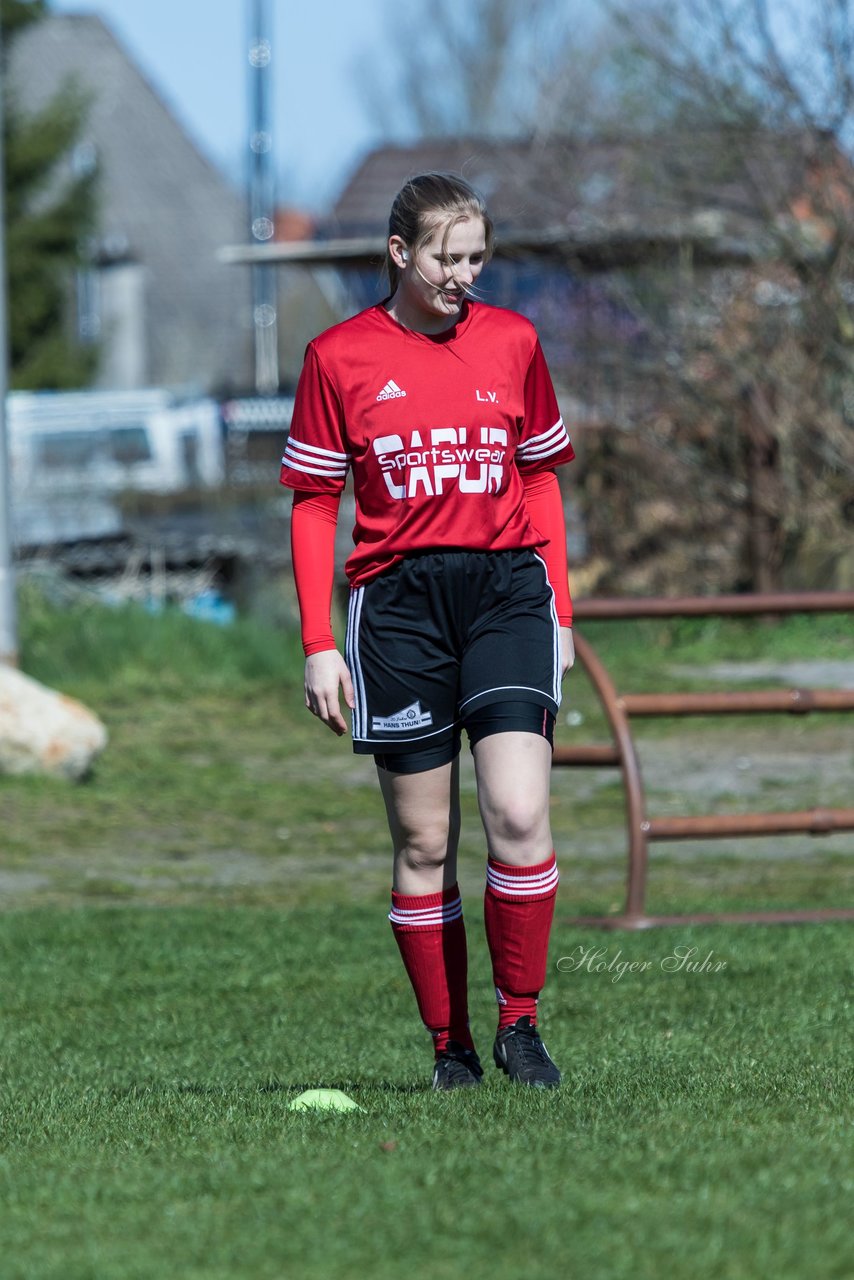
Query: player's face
column 435, row 280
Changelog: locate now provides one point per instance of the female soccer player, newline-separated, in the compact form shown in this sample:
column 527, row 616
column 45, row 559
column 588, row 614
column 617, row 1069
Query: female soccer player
column 460, row 615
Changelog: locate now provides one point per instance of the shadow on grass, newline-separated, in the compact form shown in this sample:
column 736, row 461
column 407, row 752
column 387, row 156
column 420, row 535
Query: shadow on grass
column 381, row 1086
column 269, row 1086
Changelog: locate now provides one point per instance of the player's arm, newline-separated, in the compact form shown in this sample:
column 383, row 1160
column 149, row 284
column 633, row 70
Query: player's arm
column 313, row 522
column 544, row 445
column 545, row 507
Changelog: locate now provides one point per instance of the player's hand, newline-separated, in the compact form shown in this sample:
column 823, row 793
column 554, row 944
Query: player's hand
column 567, row 650
column 325, row 673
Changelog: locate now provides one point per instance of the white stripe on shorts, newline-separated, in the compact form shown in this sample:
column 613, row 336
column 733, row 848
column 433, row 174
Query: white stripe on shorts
column 354, row 614
column 556, row 626
column 504, row 688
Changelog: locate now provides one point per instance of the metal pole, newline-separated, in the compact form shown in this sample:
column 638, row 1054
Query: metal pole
column 625, row 607
column 8, row 607
column 262, row 201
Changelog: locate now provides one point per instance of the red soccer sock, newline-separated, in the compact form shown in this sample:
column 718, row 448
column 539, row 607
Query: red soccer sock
column 431, row 934
column 518, row 909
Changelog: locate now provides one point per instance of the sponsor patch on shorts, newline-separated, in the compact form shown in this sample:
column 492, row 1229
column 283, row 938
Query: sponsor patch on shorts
column 411, row 717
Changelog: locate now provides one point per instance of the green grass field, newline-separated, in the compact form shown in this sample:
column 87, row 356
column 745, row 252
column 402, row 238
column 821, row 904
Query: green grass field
column 197, row 933
column 150, row 1056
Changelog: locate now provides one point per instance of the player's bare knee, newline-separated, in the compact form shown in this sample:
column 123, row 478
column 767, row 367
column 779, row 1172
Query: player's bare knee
column 517, row 821
column 415, row 859
column 428, row 847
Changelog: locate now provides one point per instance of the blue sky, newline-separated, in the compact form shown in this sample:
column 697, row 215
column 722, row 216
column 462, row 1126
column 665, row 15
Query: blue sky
column 195, row 53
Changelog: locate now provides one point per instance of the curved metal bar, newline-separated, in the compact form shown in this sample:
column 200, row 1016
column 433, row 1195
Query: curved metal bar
column 618, row 709
column 630, row 768
column 816, row 822
column 714, row 606
column 743, row 702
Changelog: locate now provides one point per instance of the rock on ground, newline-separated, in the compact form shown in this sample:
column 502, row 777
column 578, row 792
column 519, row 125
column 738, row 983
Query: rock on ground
column 42, row 731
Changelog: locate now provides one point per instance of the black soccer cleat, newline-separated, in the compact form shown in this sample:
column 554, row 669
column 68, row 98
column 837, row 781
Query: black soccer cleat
column 457, row 1068
column 521, row 1054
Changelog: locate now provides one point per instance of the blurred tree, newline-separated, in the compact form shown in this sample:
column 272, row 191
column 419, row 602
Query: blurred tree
column 475, row 67
column 752, row 105
column 50, row 216
column 756, row 368
column 497, row 68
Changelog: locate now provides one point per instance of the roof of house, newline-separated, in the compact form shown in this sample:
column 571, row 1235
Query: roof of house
column 163, row 204
column 601, row 202
column 598, row 196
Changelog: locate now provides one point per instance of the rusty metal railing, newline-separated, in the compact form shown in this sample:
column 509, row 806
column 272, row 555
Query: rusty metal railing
column 618, row 709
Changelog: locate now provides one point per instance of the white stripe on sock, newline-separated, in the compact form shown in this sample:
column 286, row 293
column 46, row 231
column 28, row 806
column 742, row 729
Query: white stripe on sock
column 429, row 917
column 522, row 886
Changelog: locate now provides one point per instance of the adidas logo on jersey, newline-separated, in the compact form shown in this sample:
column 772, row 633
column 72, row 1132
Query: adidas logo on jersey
column 391, row 391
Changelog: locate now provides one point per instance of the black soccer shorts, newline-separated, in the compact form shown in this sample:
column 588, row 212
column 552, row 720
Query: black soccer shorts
column 440, row 636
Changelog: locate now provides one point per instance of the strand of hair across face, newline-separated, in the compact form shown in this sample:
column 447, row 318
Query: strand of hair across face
column 470, row 290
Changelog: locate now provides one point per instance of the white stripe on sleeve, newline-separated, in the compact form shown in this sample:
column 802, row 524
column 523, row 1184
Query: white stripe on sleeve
column 544, row 444
column 313, row 460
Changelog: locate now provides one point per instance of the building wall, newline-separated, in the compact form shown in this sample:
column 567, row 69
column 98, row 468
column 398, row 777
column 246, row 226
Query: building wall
column 172, row 315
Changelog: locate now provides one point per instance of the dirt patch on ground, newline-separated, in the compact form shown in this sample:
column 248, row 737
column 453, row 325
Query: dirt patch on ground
column 772, row 766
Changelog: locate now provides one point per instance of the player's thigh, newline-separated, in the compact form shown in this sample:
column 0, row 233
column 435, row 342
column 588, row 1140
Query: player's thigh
column 513, row 650
column 404, row 678
column 513, row 772
column 423, row 811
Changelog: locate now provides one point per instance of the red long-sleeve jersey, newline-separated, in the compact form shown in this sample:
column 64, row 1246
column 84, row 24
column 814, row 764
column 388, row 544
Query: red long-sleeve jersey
column 438, row 430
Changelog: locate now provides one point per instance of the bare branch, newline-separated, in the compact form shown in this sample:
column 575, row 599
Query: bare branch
column 778, row 77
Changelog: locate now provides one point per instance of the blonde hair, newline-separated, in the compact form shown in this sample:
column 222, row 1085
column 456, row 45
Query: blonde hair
column 426, row 201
